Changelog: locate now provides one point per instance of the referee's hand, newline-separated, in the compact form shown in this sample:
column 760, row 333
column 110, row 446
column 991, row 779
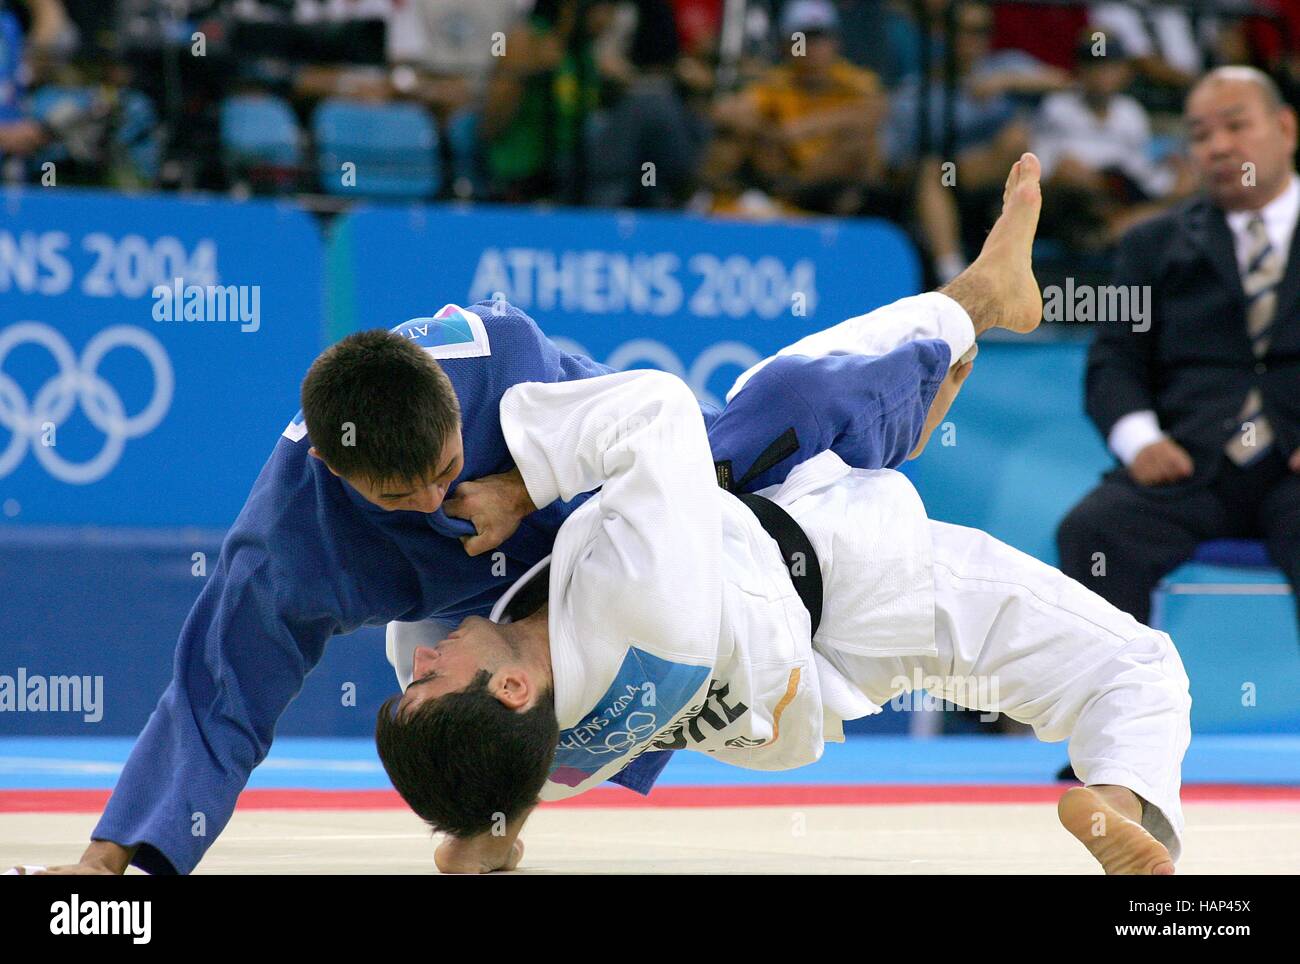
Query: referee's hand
column 1161, row 463
column 495, row 504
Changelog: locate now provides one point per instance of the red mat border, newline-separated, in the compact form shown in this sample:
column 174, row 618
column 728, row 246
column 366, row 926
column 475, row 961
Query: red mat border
column 770, row 795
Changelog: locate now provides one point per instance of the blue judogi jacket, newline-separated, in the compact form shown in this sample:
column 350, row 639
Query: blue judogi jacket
column 308, row 558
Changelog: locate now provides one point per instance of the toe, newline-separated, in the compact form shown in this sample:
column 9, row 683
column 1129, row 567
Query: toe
column 1030, row 168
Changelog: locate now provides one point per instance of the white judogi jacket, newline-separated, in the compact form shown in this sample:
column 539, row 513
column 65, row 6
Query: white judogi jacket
column 673, row 620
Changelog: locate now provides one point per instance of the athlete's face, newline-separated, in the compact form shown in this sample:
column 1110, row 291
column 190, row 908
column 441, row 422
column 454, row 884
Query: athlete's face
column 448, row 667
column 476, row 644
column 425, row 496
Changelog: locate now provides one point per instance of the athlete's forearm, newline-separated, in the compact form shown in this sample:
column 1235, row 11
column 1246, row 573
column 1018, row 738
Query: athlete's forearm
column 255, row 632
column 180, row 784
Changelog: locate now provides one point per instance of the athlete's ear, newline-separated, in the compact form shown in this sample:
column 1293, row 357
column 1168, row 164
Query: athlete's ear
column 314, row 454
column 514, row 688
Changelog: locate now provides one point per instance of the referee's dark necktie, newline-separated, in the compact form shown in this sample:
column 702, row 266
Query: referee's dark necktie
column 1264, row 269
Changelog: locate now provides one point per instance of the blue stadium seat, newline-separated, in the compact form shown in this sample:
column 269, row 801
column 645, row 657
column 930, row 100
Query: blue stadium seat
column 260, row 142
column 1231, row 615
column 1250, row 553
column 394, row 148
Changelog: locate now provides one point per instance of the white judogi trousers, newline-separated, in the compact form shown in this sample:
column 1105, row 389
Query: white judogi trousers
column 1017, row 636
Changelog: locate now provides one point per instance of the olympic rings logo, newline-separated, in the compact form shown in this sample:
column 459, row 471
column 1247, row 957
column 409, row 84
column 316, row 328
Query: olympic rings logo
column 664, row 358
column 637, row 728
column 78, row 383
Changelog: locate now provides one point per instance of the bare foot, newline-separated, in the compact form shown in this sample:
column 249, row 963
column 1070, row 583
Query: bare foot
column 999, row 289
column 1121, row 845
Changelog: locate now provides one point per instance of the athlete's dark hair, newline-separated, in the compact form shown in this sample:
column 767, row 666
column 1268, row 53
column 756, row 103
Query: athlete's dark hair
column 465, row 762
column 379, row 408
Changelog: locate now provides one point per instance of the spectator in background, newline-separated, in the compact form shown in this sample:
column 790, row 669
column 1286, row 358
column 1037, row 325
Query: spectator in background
column 699, row 24
column 642, row 148
column 539, row 98
column 1269, row 41
column 989, row 133
column 355, row 72
column 1094, row 142
column 438, row 52
column 1045, row 33
column 882, row 36
column 447, row 45
column 905, row 33
column 808, row 127
column 21, row 135
column 699, row 28
column 1272, row 39
column 441, row 53
column 1169, row 49
column 1199, row 400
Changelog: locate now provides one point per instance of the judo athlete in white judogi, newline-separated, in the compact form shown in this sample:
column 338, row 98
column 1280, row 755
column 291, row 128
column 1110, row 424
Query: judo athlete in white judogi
column 670, row 617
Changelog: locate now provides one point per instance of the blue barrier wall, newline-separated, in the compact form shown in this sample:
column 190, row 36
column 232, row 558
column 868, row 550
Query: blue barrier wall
column 115, row 407
column 704, row 299
column 117, row 410
column 109, row 603
column 1022, row 451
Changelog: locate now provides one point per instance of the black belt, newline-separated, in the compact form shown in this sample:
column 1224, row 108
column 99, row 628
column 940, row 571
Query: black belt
column 796, row 552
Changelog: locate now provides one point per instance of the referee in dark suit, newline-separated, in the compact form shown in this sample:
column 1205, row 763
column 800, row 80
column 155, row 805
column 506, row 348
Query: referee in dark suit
column 1202, row 408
